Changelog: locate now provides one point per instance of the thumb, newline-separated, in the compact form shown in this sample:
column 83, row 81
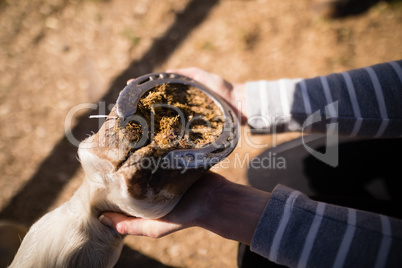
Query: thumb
column 138, row 226
column 116, row 221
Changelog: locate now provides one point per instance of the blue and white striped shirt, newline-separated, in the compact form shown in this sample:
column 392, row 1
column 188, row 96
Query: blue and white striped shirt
column 297, row 231
column 365, row 102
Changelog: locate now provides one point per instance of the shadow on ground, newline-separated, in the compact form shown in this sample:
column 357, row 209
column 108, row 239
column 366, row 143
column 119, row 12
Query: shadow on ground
column 42, row 189
column 346, row 8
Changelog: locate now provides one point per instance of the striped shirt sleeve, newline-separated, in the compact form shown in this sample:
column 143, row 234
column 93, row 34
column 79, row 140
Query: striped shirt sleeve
column 363, row 102
column 298, row 232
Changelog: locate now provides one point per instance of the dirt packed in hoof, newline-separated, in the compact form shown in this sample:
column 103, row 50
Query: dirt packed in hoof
column 169, row 117
column 177, row 117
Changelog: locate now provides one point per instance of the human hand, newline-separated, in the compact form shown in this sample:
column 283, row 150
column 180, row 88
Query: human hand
column 186, row 214
column 233, row 94
column 214, row 203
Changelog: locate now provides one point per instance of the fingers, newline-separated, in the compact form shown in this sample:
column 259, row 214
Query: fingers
column 116, row 221
column 123, row 224
column 191, row 72
column 220, row 86
column 211, row 80
column 138, row 226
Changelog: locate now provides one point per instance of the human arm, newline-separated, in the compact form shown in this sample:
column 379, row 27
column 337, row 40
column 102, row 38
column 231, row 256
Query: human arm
column 364, row 102
column 298, row 232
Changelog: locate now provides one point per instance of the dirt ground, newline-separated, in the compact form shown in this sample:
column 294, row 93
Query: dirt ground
column 57, row 55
